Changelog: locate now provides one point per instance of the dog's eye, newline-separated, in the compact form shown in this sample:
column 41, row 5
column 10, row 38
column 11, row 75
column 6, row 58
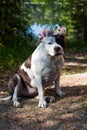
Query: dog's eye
column 50, row 43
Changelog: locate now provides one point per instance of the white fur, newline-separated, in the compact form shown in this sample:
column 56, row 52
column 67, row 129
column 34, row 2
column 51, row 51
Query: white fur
column 43, row 67
column 15, row 98
column 46, row 65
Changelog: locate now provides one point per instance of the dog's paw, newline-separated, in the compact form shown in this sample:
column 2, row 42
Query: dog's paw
column 37, row 97
column 42, row 103
column 16, row 104
column 61, row 94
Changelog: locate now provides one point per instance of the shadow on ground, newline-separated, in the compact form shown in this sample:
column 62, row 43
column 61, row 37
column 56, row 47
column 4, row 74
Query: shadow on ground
column 69, row 112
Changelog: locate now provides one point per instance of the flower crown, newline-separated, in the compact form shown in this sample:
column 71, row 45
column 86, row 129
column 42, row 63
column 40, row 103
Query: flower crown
column 48, row 32
column 60, row 31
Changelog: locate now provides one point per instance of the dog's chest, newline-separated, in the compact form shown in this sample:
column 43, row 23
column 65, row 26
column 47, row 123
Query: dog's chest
column 50, row 73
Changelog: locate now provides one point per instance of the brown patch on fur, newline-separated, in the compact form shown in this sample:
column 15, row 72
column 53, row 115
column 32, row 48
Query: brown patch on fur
column 13, row 81
column 25, row 77
column 26, row 89
column 28, row 62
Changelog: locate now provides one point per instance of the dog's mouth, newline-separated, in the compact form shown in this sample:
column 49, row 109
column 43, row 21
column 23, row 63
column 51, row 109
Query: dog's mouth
column 58, row 53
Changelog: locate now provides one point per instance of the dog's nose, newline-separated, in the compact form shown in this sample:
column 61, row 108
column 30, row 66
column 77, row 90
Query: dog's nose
column 57, row 48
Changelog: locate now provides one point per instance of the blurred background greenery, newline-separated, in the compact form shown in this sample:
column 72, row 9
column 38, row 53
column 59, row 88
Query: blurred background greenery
column 16, row 18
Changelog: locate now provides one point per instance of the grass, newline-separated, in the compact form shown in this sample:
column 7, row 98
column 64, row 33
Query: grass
column 11, row 57
column 76, row 45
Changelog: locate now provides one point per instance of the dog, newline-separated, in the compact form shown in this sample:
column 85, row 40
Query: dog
column 59, row 35
column 39, row 71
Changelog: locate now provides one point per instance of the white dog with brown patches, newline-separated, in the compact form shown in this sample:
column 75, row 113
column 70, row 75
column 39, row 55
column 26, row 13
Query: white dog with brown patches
column 37, row 72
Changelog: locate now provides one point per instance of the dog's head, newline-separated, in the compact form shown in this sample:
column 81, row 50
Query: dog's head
column 52, row 48
column 59, row 35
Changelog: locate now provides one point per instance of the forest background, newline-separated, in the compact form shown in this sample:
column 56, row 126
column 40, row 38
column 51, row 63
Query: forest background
column 17, row 41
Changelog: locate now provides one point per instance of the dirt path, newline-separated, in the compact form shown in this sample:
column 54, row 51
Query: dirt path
column 67, row 113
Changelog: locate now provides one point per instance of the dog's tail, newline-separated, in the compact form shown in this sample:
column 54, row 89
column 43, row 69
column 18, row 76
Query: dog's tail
column 6, row 98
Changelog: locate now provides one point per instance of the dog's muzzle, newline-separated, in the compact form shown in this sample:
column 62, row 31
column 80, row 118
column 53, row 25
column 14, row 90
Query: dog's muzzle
column 58, row 50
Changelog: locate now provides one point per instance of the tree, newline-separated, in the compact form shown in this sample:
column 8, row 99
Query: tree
column 69, row 13
column 17, row 15
column 14, row 20
column 79, row 18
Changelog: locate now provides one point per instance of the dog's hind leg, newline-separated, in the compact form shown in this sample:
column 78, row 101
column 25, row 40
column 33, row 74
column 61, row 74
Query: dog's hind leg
column 15, row 97
column 15, row 93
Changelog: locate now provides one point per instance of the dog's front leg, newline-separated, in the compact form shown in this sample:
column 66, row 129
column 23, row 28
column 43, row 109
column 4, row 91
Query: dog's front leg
column 42, row 102
column 57, row 87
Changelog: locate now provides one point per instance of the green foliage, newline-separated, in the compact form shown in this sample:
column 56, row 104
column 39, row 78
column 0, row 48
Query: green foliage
column 69, row 13
column 73, row 46
column 11, row 57
column 14, row 20
column 17, row 15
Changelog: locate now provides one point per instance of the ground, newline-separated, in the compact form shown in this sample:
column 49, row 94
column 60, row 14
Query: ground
column 67, row 113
